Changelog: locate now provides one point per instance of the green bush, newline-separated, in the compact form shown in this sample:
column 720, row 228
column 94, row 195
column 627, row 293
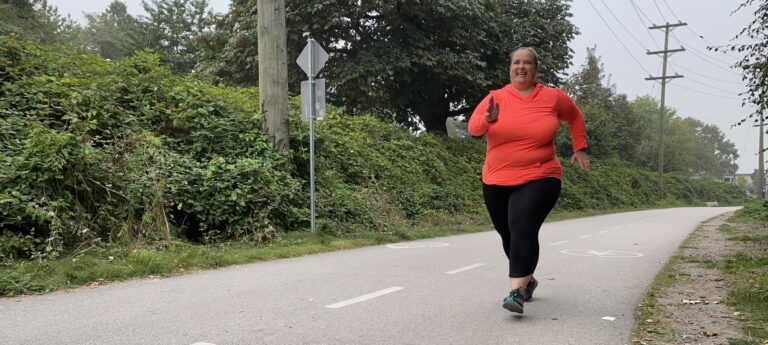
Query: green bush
column 93, row 151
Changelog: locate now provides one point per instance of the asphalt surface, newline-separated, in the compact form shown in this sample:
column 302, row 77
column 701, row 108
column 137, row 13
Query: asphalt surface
column 592, row 272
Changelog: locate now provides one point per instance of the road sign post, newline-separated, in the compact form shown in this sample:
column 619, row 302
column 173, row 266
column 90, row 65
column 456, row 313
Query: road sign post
column 311, row 60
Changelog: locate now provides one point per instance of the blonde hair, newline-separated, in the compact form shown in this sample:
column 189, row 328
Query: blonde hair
column 530, row 49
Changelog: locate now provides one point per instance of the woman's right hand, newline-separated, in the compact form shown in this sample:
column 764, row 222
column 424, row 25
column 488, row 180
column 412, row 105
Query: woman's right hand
column 492, row 113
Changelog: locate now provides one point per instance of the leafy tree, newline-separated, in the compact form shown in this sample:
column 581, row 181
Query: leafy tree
column 415, row 62
column 754, row 63
column 713, row 154
column 173, row 26
column 612, row 126
column 114, row 33
column 646, row 108
column 37, row 21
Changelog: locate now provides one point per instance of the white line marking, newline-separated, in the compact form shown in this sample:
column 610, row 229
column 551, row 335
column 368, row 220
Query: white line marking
column 609, row 318
column 618, row 227
column 585, row 236
column 603, row 232
column 364, row 298
column 203, row 344
column 465, row 268
column 556, row 243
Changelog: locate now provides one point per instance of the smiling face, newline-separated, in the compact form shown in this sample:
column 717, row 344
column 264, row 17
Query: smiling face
column 523, row 69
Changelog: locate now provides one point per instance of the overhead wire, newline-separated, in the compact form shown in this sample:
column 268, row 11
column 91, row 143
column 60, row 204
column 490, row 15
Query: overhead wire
column 704, row 75
column 710, row 86
column 623, row 26
column 704, row 92
column 648, row 31
column 617, row 38
column 696, row 33
column 704, row 57
column 661, row 13
column 653, row 85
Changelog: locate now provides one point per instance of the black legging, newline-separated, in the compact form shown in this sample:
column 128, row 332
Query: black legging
column 517, row 213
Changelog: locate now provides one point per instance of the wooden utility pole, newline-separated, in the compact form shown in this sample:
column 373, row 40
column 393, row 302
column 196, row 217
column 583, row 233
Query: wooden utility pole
column 273, row 72
column 663, row 78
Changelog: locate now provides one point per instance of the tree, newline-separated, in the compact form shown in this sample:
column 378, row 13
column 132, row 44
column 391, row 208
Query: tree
column 37, row 21
column 694, row 148
column 713, row 154
column 173, row 26
column 415, row 62
column 754, row 64
column 273, row 72
column 114, row 33
column 612, row 126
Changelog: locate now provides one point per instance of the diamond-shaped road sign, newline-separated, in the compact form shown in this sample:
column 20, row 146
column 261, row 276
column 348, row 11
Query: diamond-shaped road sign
column 319, row 57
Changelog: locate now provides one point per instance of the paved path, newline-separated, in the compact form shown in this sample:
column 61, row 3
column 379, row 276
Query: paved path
column 448, row 290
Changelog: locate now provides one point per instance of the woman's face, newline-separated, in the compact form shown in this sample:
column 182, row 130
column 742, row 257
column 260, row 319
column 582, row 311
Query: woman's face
column 523, row 68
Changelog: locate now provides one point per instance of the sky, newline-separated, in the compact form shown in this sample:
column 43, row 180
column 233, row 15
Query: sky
column 710, row 87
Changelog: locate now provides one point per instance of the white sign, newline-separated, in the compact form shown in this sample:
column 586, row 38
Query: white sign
column 319, row 94
column 318, row 57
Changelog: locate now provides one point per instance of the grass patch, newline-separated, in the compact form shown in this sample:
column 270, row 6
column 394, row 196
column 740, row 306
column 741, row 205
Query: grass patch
column 647, row 315
column 111, row 263
column 749, row 270
column 727, row 228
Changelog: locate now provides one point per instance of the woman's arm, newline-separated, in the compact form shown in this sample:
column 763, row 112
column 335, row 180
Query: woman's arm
column 478, row 123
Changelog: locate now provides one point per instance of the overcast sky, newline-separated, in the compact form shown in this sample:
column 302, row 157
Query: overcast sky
column 709, row 90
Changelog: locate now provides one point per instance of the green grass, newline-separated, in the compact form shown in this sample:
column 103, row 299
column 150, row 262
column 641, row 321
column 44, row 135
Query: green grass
column 748, row 269
column 647, row 310
column 112, row 263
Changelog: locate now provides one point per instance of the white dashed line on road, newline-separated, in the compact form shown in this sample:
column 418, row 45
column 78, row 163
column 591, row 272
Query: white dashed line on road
column 364, row 298
column 556, row 243
column 603, row 232
column 465, row 268
column 585, row 236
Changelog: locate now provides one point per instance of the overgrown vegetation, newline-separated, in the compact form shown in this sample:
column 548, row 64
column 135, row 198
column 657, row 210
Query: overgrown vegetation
column 96, row 153
column 749, row 269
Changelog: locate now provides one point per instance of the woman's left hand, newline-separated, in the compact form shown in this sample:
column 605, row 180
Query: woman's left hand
column 582, row 159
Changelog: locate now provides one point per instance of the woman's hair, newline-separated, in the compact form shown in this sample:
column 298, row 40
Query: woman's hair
column 530, row 49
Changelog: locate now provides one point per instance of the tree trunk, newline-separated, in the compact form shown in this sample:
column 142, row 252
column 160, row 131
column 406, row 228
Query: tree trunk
column 273, row 72
column 434, row 122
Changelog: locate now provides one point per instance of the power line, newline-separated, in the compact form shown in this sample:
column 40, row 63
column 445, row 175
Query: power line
column 659, row 8
column 637, row 12
column 710, row 86
column 617, row 38
column 623, row 26
column 696, row 33
column 641, row 11
column 670, row 10
column 704, row 75
column 705, row 58
column 705, row 54
column 705, row 93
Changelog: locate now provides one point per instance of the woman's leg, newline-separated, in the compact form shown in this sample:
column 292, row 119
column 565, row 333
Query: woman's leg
column 527, row 208
column 496, row 201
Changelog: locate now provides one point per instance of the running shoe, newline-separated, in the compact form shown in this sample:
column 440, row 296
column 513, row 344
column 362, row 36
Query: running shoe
column 528, row 292
column 514, row 302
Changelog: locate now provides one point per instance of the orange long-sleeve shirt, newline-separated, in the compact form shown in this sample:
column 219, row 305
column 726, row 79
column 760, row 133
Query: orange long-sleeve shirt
column 520, row 145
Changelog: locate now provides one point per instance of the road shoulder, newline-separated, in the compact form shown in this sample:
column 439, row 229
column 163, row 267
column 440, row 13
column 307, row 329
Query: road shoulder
column 686, row 304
